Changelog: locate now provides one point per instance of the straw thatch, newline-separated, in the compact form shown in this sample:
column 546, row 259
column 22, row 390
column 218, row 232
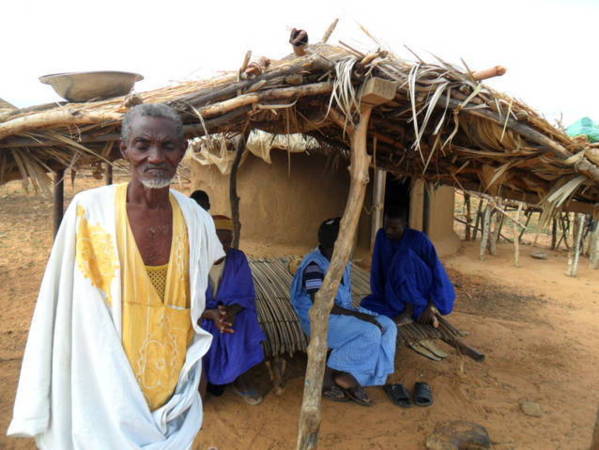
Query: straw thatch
column 442, row 125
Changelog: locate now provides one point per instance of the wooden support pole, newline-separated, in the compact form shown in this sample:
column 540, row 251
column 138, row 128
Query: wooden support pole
column 378, row 203
column 485, row 231
column 468, row 216
column 58, row 198
column 493, row 231
column 517, row 237
column 499, row 228
column 426, row 209
column 528, row 215
column 576, row 239
column 594, row 259
column 233, row 197
column 553, row 233
column 108, row 174
column 478, row 219
column 376, row 91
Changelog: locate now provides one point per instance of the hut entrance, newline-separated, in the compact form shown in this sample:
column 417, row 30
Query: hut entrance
column 397, row 194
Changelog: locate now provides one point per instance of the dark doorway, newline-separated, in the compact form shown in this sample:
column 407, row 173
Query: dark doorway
column 397, row 194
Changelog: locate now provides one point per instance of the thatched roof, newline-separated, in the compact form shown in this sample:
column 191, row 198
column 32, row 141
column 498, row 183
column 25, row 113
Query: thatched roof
column 442, row 125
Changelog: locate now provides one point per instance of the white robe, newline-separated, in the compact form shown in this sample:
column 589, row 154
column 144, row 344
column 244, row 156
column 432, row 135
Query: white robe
column 77, row 389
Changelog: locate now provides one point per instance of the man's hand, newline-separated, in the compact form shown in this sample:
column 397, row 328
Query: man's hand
column 230, row 312
column 218, row 316
column 429, row 315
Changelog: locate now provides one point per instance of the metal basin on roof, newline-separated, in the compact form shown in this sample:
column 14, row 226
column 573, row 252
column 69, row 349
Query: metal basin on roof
column 86, row 86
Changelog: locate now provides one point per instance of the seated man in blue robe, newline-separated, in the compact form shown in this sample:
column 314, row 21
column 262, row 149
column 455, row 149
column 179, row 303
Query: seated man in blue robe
column 362, row 343
column 407, row 278
column 232, row 319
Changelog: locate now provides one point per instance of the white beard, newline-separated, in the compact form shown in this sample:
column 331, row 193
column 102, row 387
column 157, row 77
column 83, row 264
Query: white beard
column 156, row 183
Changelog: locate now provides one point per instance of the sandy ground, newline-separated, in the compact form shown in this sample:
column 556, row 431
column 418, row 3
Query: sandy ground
column 536, row 326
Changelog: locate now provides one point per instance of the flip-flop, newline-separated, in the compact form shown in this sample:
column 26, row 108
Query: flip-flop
column 423, row 351
column 335, row 393
column 429, row 344
column 251, row 396
column 423, row 394
column 398, row 394
column 358, row 395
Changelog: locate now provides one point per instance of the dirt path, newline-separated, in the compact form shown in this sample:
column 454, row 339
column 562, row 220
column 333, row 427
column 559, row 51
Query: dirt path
column 536, row 326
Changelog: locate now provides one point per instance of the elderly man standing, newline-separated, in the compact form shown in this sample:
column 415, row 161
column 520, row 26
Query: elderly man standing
column 113, row 358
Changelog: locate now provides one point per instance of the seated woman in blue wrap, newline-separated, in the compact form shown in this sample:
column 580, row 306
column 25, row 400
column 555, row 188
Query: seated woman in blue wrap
column 362, row 343
column 407, row 278
column 232, row 319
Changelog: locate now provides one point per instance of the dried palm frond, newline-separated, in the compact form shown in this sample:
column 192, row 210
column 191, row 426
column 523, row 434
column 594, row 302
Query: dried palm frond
column 344, row 93
column 558, row 196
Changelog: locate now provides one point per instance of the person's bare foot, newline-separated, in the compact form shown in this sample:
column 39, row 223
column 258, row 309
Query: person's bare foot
column 245, row 390
column 345, row 380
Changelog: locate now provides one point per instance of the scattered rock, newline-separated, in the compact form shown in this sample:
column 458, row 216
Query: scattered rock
column 531, row 408
column 538, row 255
column 458, row 435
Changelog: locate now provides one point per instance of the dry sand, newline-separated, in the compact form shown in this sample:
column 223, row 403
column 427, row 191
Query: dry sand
column 537, row 327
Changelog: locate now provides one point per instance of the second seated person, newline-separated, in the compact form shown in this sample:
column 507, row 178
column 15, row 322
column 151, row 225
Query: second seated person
column 231, row 317
column 362, row 342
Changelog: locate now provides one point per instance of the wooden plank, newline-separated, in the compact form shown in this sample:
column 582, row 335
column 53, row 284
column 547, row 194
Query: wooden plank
column 58, row 199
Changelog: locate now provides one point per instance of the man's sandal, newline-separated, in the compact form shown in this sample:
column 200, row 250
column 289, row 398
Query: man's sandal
column 335, row 393
column 423, row 394
column 398, row 394
column 358, row 395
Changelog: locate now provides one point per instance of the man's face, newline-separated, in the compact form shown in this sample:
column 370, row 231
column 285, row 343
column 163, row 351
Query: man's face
column 154, row 151
column 394, row 228
column 226, row 238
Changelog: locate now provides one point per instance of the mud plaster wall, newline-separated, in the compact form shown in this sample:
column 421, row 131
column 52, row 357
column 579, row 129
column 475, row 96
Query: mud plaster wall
column 282, row 204
column 442, row 204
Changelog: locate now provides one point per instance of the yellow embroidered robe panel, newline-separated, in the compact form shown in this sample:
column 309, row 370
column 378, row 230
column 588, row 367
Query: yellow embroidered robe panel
column 156, row 332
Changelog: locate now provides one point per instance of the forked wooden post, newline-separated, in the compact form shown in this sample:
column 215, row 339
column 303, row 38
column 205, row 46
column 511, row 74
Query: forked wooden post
column 376, row 91
column 233, row 197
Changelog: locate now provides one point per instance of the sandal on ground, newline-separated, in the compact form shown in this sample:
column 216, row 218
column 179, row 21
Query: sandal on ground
column 335, row 393
column 358, row 395
column 251, row 396
column 423, row 394
column 398, row 394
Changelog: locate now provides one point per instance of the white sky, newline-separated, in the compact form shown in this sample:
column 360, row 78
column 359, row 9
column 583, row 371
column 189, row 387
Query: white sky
column 549, row 47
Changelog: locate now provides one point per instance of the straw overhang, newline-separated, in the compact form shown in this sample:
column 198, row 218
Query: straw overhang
column 443, row 125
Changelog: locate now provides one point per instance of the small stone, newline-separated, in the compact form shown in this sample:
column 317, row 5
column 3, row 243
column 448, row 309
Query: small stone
column 538, row 255
column 458, row 435
column 531, row 408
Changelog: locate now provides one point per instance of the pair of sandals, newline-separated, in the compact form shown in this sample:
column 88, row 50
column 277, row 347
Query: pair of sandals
column 356, row 394
column 399, row 395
